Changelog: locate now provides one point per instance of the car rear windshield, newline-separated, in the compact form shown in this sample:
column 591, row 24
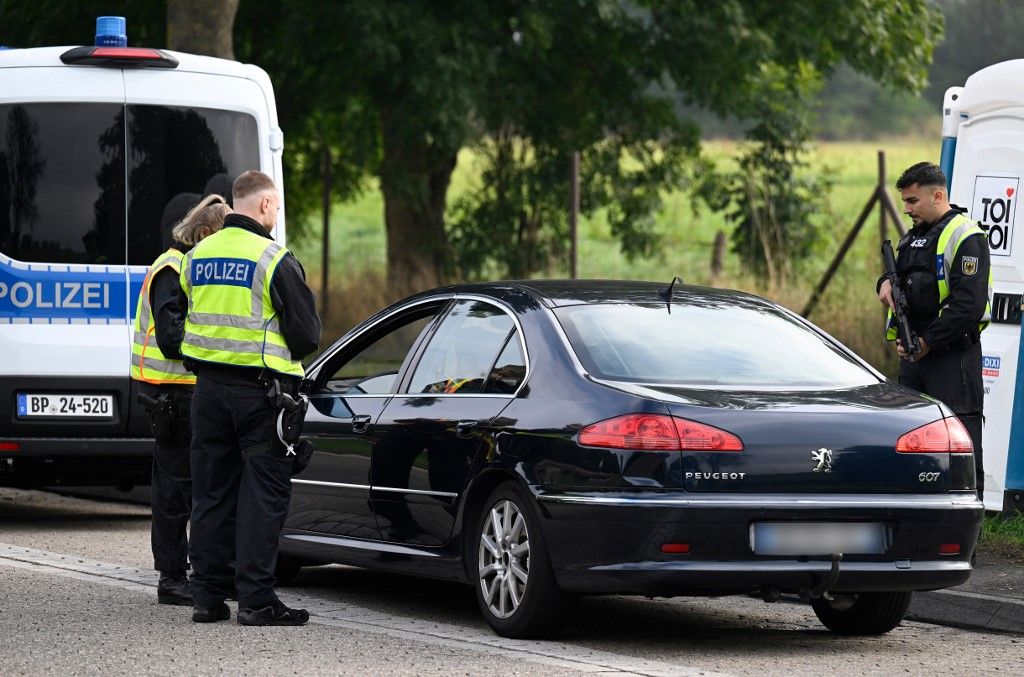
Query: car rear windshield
column 63, row 168
column 741, row 345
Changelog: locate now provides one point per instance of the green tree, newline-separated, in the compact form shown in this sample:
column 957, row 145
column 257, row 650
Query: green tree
column 979, row 33
column 616, row 80
column 395, row 88
column 391, row 88
column 773, row 201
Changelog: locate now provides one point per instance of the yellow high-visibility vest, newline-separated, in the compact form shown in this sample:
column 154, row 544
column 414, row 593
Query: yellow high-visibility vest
column 148, row 363
column 231, row 319
column 953, row 234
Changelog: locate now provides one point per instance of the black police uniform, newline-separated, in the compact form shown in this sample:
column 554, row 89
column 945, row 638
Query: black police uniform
column 241, row 484
column 951, row 370
column 171, row 483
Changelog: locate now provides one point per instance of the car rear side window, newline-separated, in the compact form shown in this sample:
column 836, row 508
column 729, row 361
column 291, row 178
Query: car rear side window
column 509, row 369
column 739, row 345
column 462, row 352
column 62, row 182
column 178, row 155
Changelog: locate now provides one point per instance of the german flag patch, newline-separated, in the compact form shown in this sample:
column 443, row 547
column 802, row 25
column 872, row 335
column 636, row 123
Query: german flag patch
column 970, row 265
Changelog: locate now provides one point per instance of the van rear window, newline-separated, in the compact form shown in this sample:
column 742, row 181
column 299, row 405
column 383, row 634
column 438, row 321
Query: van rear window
column 63, row 169
column 62, row 182
column 177, row 156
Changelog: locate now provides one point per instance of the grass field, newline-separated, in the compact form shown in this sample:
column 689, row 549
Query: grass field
column 848, row 310
column 1003, row 535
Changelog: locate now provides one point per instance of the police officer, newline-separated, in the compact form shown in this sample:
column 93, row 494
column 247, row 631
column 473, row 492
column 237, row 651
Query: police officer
column 943, row 262
column 251, row 318
column 166, row 392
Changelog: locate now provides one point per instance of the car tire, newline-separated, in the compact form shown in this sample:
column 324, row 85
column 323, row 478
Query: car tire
column 287, row 569
column 515, row 585
column 867, row 613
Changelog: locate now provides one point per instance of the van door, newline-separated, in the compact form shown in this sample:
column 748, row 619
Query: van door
column 182, row 145
column 63, row 286
column 188, row 135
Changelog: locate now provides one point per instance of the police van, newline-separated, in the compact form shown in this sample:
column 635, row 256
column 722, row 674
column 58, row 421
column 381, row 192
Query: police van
column 102, row 149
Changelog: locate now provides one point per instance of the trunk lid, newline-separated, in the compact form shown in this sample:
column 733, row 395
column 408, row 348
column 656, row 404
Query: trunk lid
column 809, row 442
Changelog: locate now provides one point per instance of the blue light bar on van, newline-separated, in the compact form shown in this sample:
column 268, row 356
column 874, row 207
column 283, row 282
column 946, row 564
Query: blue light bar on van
column 119, row 57
column 111, row 31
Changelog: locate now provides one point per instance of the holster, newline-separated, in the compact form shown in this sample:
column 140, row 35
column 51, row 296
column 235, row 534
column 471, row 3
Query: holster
column 169, row 419
column 287, row 429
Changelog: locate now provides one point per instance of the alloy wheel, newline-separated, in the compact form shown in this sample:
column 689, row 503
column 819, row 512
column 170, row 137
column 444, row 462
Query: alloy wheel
column 504, row 559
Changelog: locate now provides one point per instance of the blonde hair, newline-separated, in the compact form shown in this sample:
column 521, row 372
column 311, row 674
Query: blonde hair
column 206, row 216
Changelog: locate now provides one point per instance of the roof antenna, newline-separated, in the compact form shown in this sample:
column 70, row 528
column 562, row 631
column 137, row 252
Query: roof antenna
column 666, row 294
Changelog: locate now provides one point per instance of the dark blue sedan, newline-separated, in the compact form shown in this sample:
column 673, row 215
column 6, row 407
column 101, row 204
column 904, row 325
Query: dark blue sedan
column 545, row 439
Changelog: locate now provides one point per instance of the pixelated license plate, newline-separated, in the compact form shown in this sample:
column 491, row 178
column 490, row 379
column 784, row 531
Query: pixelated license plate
column 817, row 538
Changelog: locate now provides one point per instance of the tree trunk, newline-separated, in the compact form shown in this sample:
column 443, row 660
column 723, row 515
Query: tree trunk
column 202, row 27
column 414, row 180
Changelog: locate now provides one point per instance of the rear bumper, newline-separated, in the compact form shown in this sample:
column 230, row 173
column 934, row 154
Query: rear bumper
column 68, row 461
column 723, row 578
column 610, row 542
column 38, row 447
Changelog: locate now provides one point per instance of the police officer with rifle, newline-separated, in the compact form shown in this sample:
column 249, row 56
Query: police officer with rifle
column 938, row 297
column 251, row 319
column 165, row 391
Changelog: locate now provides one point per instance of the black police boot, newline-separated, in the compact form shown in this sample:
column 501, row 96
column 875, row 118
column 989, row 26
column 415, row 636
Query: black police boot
column 210, row 614
column 275, row 613
column 174, row 589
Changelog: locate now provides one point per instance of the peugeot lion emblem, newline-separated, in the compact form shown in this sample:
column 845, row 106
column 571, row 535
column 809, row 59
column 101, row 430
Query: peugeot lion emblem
column 823, row 458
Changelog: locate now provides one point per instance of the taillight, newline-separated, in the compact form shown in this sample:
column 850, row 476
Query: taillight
column 944, row 435
column 658, row 432
column 9, row 446
column 695, row 436
column 633, row 431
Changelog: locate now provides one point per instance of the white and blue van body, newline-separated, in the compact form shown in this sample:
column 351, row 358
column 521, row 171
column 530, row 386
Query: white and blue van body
column 102, row 150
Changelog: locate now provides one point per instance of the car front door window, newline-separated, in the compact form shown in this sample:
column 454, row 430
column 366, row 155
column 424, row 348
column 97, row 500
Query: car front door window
column 460, row 355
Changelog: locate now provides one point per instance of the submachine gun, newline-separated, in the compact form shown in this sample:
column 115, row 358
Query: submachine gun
column 904, row 332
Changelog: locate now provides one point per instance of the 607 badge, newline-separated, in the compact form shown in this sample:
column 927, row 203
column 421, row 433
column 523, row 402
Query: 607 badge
column 969, row 265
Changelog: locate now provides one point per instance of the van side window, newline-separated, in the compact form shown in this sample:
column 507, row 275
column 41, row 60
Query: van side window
column 62, row 182
column 176, row 156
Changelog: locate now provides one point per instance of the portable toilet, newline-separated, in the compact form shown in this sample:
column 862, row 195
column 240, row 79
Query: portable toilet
column 983, row 157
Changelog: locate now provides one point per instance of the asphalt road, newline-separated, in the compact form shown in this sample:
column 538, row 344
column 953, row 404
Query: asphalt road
column 77, row 596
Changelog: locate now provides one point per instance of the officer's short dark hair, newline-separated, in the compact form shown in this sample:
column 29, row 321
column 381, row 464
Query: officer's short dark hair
column 249, row 183
column 924, row 174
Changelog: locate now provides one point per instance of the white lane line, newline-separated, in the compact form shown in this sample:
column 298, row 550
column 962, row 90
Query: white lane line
column 353, row 617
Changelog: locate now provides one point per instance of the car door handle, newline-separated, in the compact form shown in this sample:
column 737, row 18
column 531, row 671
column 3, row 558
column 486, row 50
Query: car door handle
column 361, row 423
column 463, row 428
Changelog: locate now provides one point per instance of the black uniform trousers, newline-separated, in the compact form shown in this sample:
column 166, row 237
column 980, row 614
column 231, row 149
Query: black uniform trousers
column 240, row 501
column 953, row 377
column 170, row 490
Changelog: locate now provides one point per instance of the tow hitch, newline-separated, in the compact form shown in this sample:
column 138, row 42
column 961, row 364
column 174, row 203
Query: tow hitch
column 829, row 580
